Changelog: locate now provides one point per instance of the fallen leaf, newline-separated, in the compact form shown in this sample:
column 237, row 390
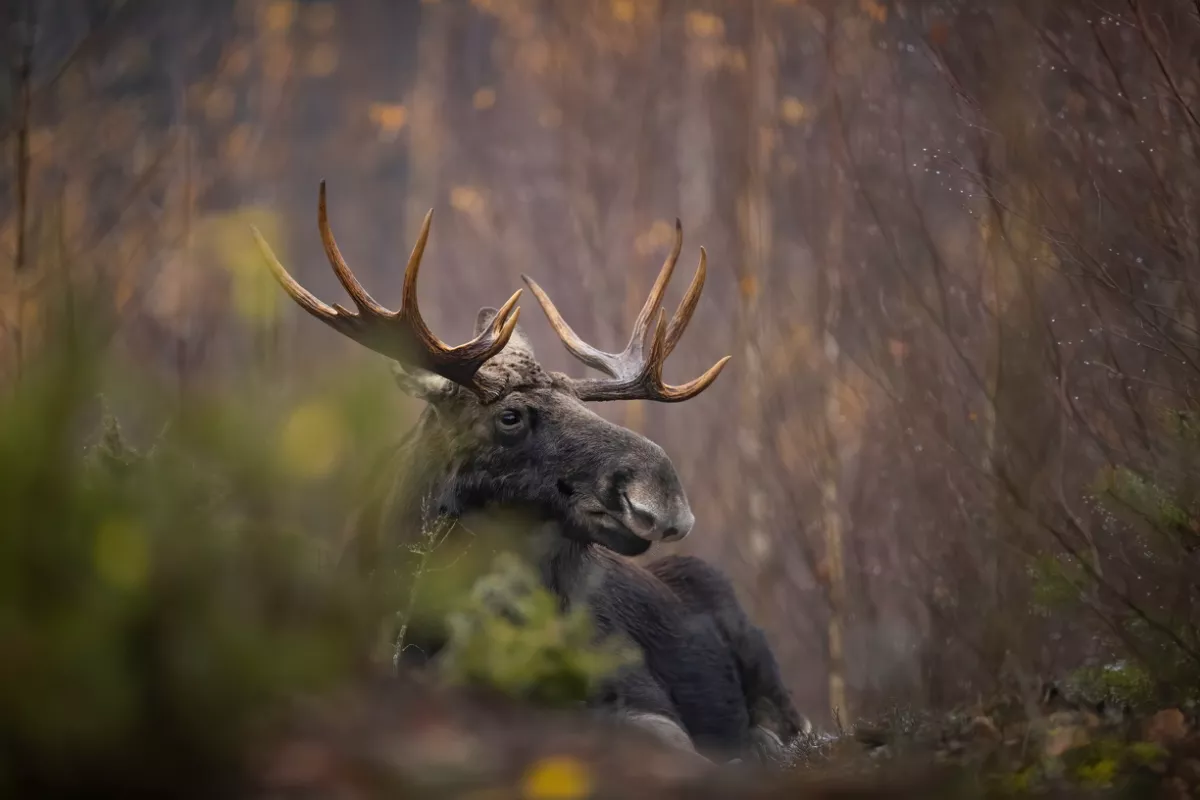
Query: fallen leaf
column 1168, row 725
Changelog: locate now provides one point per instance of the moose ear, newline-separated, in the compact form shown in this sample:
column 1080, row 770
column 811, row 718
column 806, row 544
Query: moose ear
column 422, row 385
column 518, row 343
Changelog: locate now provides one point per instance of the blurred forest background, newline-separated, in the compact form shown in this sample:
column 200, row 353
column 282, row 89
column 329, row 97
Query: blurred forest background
column 953, row 247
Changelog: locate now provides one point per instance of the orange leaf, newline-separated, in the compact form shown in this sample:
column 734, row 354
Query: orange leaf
column 939, row 32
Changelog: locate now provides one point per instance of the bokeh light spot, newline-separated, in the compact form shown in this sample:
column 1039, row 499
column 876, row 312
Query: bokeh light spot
column 121, row 553
column 558, row 778
column 312, row 440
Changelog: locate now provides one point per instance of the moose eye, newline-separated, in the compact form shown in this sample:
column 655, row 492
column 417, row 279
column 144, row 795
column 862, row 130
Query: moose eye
column 509, row 419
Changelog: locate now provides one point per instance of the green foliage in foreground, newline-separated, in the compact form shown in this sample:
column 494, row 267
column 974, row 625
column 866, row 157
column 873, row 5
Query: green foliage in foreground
column 162, row 604
column 154, row 606
column 511, row 635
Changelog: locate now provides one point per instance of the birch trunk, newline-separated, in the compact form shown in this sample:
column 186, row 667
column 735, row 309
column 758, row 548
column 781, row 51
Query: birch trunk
column 755, row 221
column 425, row 130
column 828, row 456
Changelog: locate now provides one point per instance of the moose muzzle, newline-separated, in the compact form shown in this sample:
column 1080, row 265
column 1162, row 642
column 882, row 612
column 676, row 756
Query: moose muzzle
column 655, row 515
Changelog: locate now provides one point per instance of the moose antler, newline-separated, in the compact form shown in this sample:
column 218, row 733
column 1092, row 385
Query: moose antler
column 635, row 373
column 400, row 335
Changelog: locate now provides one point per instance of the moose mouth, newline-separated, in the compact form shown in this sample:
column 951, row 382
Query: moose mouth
column 609, row 531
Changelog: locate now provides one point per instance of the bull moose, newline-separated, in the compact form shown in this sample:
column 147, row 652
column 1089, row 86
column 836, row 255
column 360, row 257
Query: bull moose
column 500, row 433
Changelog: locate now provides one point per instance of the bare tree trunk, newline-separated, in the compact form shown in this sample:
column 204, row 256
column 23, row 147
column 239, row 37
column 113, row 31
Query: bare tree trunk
column 829, row 457
column 22, row 77
column 695, row 144
column 829, row 467
column 426, row 130
column 755, row 221
column 993, row 338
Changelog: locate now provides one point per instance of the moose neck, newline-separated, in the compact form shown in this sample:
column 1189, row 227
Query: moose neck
column 566, row 564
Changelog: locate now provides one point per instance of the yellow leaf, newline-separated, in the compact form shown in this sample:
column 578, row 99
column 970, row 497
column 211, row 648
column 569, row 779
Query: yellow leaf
column 322, row 59
column 484, row 98
column 237, row 141
column 874, row 9
column 557, row 778
column 734, row 59
column 226, row 240
column 236, row 61
column 41, row 142
column 312, row 440
column 748, row 286
column 533, row 56
column 704, row 25
column 121, row 554
column 276, row 61
column 280, row 14
column 319, row 17
column 389, row 117
column 792, row 111
column 660, row 234
column 623, row 10
column 220, row 104
column 468, row 200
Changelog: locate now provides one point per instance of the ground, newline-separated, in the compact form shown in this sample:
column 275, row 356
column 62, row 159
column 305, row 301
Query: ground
column 410, row 738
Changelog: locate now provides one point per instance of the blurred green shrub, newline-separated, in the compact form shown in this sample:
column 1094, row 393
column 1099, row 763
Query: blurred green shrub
column 512, row 635
column 155, row 607
column 1150, row 510
column 1119, row 683
column 161, row 604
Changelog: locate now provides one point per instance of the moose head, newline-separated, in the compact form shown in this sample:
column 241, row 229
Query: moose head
column 513, row 435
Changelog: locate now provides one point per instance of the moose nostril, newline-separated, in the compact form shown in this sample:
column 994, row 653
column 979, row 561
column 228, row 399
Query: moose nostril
column 670, row 534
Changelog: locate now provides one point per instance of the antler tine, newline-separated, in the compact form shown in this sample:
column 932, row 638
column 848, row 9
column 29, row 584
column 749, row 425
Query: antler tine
column 475, row 352
column 400, row 335
column 409, row 307
column 303, row 297
column 357, row 293
column 657, row 291
column 594, row 358
column 687, row 306
column 634, row 373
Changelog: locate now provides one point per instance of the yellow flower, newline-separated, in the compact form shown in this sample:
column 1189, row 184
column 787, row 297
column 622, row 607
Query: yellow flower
column 557, row 778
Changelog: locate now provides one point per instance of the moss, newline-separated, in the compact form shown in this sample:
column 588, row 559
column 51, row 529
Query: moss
column 1097, row 775
column 1019, row 782
column 1146, row 754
